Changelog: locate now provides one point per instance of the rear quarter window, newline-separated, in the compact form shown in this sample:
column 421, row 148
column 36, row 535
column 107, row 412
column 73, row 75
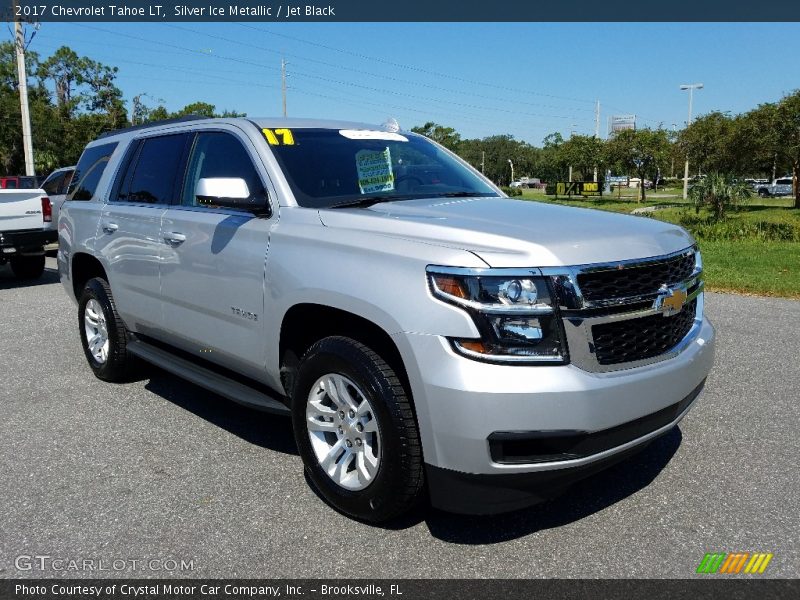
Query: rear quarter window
column 90, row 169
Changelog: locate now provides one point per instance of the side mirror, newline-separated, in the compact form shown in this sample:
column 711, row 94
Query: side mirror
column 230, row 192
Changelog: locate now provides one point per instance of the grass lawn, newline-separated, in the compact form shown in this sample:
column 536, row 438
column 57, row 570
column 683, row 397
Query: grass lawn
column 753, row 267
column 747, row 265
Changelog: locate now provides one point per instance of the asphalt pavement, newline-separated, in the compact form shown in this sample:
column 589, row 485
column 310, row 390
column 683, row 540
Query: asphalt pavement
column 161, row 470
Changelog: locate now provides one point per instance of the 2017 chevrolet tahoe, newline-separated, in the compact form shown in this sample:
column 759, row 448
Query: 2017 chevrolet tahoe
column 429, row 336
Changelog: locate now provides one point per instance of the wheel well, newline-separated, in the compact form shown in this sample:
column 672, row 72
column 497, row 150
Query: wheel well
column 84, row 268
column 305, row 324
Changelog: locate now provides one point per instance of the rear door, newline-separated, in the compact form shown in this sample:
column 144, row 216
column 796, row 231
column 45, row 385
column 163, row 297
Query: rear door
column 129, row 238
column 213, row 267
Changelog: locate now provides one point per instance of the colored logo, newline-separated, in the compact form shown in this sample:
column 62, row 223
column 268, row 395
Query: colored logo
column 735, row 562
column 670, row 301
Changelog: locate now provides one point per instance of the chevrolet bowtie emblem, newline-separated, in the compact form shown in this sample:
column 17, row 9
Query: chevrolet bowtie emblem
column 670, row 301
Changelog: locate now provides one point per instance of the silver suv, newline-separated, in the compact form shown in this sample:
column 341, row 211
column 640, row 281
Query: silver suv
column 428, row 335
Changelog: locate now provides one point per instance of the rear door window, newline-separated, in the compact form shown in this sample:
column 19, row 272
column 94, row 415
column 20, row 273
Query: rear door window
column 152, row 174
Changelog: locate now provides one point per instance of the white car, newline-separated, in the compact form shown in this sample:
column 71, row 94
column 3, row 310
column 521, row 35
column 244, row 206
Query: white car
column 56, row 186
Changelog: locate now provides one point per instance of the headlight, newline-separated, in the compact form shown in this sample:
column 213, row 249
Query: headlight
column 515, row 315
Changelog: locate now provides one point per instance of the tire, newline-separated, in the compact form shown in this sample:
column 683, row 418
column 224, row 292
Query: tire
column 763, row 193
column 115, row 363
column 390, row 447
column 27, row 267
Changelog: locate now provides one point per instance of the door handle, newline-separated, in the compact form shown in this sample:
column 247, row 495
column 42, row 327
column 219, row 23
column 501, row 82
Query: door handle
column 174, row 238
column 109, row 227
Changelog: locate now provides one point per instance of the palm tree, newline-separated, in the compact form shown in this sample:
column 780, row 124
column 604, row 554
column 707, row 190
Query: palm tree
column 719, row 191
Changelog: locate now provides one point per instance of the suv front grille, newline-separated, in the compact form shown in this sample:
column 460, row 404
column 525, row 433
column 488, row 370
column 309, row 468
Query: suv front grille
column 635, row 280
column 645, row 337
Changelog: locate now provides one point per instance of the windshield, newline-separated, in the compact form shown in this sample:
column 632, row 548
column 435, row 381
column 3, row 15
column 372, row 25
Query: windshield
column 329, row 167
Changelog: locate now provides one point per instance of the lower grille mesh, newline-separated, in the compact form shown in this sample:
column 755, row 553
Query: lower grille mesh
column 638, row 339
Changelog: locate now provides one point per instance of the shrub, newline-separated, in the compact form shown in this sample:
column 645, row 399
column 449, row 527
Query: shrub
column 712, row 229
column 511, row 191
column 719, row 192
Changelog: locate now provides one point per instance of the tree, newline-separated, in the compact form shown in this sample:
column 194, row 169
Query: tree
column 584, row 153
column 642, row 151
column 758, row 141
column 708, row 142
column 204, row 109
column 67, row 71
column 719, row 192
column 788, row 130
column 446, row 136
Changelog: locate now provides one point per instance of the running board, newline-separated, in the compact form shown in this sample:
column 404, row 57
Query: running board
column 210, row 380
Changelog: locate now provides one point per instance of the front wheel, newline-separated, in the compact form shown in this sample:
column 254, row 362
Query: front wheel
column 355, row 430
column 27, row 267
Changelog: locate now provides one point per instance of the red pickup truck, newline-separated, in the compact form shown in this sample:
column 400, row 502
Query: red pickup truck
column 19, row 182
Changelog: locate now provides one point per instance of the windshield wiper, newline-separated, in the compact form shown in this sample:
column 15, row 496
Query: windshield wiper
column 368, row 201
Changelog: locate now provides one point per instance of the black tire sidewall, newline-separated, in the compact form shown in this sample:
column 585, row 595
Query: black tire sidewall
column 377, row 501
column 115, row 364
column 28, row 267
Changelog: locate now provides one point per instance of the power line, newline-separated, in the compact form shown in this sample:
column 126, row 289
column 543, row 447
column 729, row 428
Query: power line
column 411, row 67
column 336, row 81
column 368, row 73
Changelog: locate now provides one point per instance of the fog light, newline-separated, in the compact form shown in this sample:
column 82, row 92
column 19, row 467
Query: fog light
column 527, row 329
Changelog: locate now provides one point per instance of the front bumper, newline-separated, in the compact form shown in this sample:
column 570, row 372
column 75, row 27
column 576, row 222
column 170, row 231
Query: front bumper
column 461, row 404
column 468, row 493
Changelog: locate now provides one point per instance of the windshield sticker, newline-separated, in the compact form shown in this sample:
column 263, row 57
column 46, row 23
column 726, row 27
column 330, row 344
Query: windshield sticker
column 366, row 134
column 374, row 171
column 279, row 137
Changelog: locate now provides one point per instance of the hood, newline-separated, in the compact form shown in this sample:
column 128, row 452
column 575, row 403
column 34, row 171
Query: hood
column 516, row 233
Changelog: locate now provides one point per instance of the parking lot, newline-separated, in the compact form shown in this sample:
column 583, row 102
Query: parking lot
column 161, row 469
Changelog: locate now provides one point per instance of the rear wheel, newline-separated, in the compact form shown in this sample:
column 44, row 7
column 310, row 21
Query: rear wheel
column 763, row 193
column 355, row 430
column 103, row 334
column 27, row 267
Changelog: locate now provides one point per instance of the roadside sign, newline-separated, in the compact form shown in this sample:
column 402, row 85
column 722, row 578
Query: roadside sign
column 578, row 188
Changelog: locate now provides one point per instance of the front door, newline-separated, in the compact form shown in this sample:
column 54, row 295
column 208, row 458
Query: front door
column 213, row 267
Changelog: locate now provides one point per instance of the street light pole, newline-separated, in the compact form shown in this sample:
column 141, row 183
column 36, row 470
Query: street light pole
column 691, row 87
column 512, row 170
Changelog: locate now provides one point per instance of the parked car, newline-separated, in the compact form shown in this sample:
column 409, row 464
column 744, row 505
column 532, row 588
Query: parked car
column 55, row 186
column 779, row 187
column 425, row 333
column 25, row 229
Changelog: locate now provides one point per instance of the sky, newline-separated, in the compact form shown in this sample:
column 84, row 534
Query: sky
column 523, row 79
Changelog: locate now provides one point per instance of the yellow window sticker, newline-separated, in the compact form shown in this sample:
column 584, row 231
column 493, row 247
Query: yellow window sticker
column 279, row 137
column 374, row 171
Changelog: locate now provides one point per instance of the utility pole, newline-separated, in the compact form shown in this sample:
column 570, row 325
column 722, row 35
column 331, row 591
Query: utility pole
column 483, row 162
column 135, row 111
column 597, row 120
column 691, row 87
column 596, row 130
column 512, row 169
column 283, row 84
column 674, row 138
column 27, row 138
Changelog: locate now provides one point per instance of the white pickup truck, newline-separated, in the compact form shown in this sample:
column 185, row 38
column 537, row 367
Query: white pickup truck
column 26, row 227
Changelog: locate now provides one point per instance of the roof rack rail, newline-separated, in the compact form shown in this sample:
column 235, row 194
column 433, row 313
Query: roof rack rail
column 153, row 123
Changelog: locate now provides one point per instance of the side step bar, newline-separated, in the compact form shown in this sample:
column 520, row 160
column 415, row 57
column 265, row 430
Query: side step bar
column 219, row 384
